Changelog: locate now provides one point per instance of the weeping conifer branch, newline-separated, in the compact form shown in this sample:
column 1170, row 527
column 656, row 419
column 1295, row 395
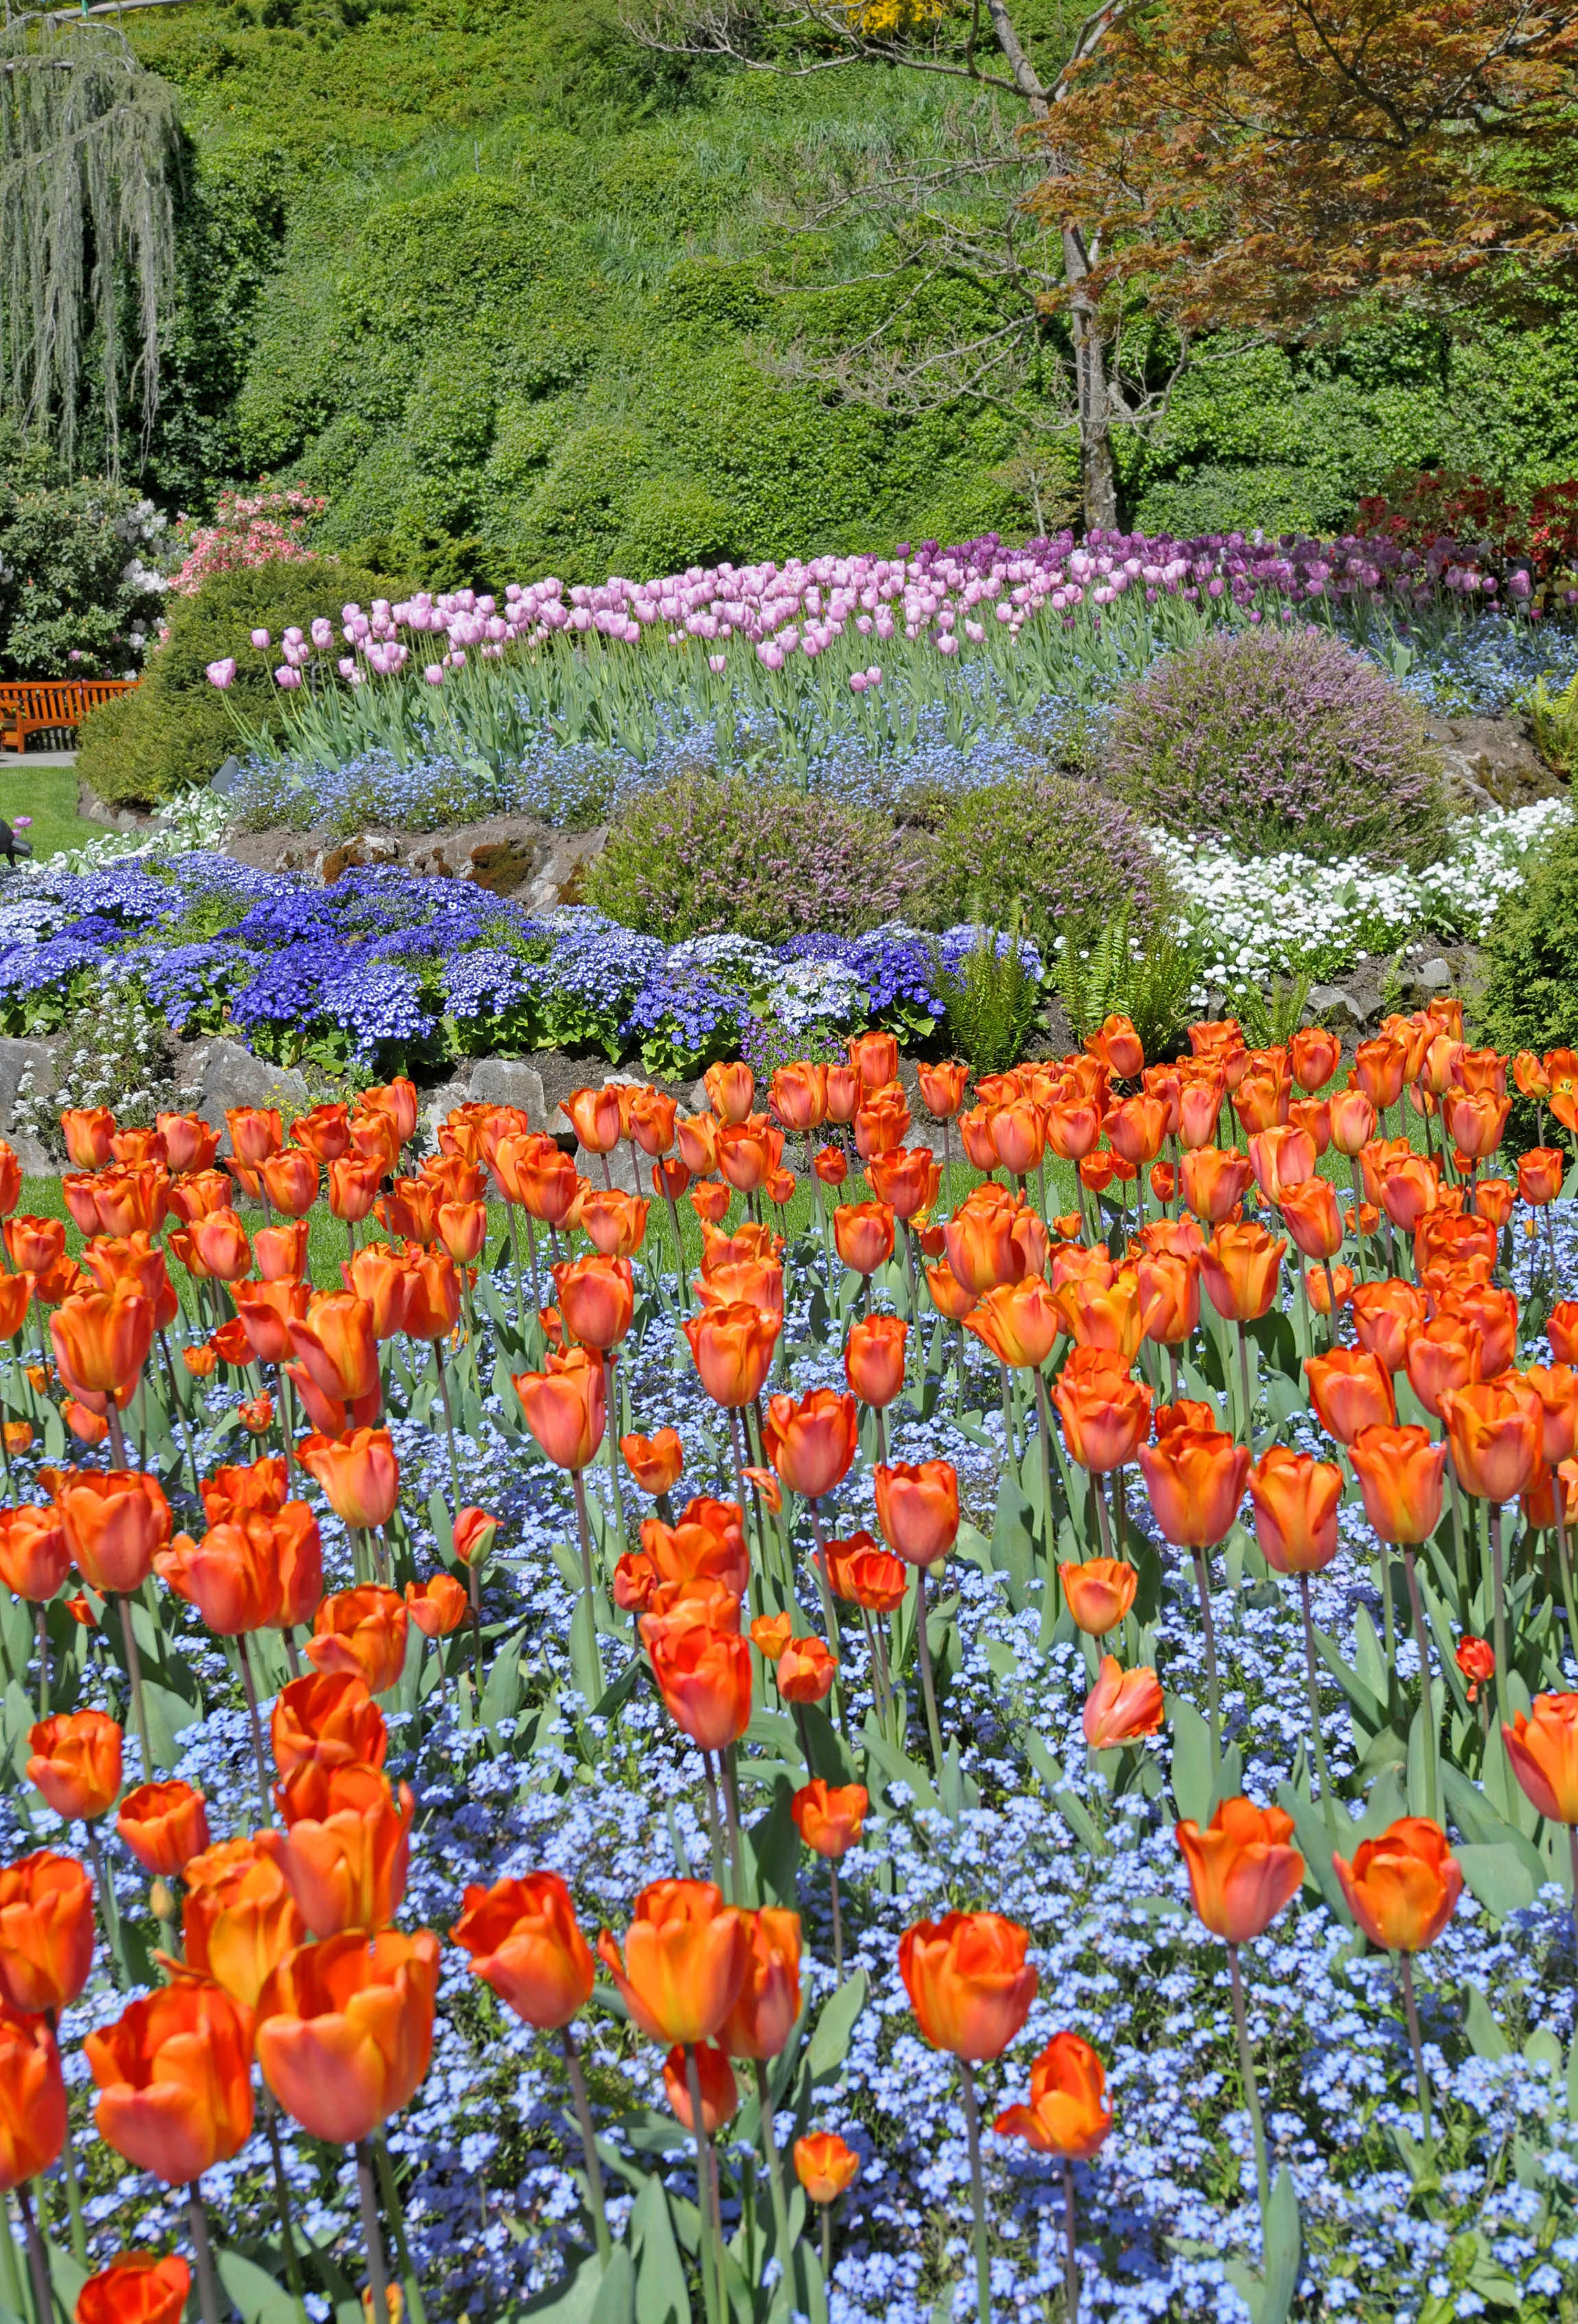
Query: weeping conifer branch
column 88, row 164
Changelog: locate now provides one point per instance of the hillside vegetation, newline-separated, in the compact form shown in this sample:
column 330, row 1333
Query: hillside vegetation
column 511, row 293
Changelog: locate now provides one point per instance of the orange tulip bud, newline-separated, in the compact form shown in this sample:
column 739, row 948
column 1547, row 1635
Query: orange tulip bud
column 137, row 2288
column 768, row 2002
column 830, row 1819
column 34, row 1558
column 917, row 1508
column 812, row 1444
column 437, row 1606
column 1350, row 1391
column 1402, row 1888
column 524, row 1942
column 329, row 1717
column 1496, row 1429
column 164, row 1825
column 359, row 1475
column 825, row 2166
column 46, row 1931
column 1121, row 1706
column 597, row 1298
column 969, row 1983
column 1241, row 1870
column 1295, row 1498
column 715, row 2081
column 733, row 1349
column 684, row 1960
column 346, row 1846
column 76, row 1764
column 362, row 1631
column 874, row 1358
column 175, row 2080
column 1099, row 1593
column 32, row 2100
column 565, row 1408
column 1399, row 1472
column 1241, row 1265
column 474, row 1528
column 1195, row 1481
column 238, row 1920
column 1018, row 1323
column 1068, row 2114
column 704, row 1676
column 345, row 2030
column 864, row 1234
column 595, row 1116
column 1105, row 1412
column 805, row 1670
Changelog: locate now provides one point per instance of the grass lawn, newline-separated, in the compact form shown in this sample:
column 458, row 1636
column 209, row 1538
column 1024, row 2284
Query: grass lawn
column 49, row 794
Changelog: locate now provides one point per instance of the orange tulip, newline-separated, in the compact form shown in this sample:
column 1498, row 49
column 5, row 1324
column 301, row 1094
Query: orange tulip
column 217, row 1248
column 46, row 1931
column 1104, row 1410
column 1399, row 1472
column 595, row 1116
column 1168, row 1287
column 565, row 1408
column 715, row 2085
column 76, row 1764
column 1099, row 1593
column 1402, row 1888
column 1121, row 1706
column 982, row 1242
column 238, row 1920
column 234, row 1576
column 346, row 1846
column 1241, row 1265
column 1241, row 1870
column 1018, row 1323
column 437, row 1606
column 101, row 1340
column 329, row 1717
column 1310, row 1214
column 864, row 1234
column 32, row 2100
column 812, row 1442
column 825, row 2166
column 684, row 1961
column 359, row 1474
column 829, row 1819
column 1350, row 1391
column 652, row 1121
column 942, row 1088
column 1385, row 1315
column 1540, row 1172
column 873, row 1359
column 1214, row 1182
column 597, row 1298
column 164, row 1825
column 1443, row 1354
column 805, row 1670
column 1117, row 1044
column 733, row 1349
column 175, row 2081
column 969, row 1983
column 345, row 2030
column 524, row 1942
column 1496, row 1429
column 1069, row 2113
column 1194, row 1478
column 137, row 2288
column 88, row 1131
column 868, row 1576
column 1295, row 1499
column 708, row 1543
column 34, row 1558
column 768, row 2002
column 1542, row 1747
column 917, row 1508
column 704, row 1676
column 362, row 1631
column 1282, row 1158
column 1313, row 1053
column 339, row 1348
column 1492, row 1314
column 474, row 1528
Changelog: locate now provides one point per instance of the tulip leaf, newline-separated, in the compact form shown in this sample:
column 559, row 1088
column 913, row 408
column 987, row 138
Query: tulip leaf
column 1013, row 1539
column 1314, row 1835
column 774, row 1844
column 830, row 2037
column 1500, row 1879
column 1485, row 2036
column 1369, row 1707
column 259, row 2296
column 1269, row 2297
column 67, row 2279
column 501, row 1697
column 802, row 2292
column 1193, row 1778
column 615, row 2300
column 895, row 1768
column 170, row 1716
column 660, row 2296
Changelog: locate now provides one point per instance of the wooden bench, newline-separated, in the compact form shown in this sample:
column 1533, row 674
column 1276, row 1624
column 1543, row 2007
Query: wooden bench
column 51, row 705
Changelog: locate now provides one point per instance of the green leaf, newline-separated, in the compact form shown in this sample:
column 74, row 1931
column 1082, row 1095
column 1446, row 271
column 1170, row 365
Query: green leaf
column 1485, row 2036
column 660, row 2296
column 615, row 2300
column 169, row 1716
column 1269, row 2297
column 259, row 2296
column 1314, row 1835
column 573, row 2299
column 1193, row 1775
column 775, row 1847
column 830, row 2040
column 1499, row 1878
column 1013, row 1539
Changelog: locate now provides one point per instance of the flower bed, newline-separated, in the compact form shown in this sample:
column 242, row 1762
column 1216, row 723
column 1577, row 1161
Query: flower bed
column 847, row 671
column 522, row 1706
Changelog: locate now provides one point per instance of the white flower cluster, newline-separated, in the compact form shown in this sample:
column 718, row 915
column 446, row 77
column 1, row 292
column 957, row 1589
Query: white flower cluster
column 195, row 819
column 1254, row 919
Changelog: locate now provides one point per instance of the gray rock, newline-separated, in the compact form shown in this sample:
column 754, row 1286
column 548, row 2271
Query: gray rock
column 508, row 1081
column 15, row 1056
column 558, row 881
column 227, row 778
column 231, row 1077
column 1331, row 1000
column 1436, row 974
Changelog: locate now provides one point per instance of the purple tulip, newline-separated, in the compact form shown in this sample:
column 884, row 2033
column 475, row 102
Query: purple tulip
column 434, row 673
column 262, row 640
column 287, row 677
column 222, row 674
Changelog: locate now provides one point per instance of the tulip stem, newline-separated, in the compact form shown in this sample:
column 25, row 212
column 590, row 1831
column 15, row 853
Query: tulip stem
column 837, row 1925
column 283, row 2201
column 1246, row 2066
column 209, row 2299
column 1070, row 2248
column 977, row 2193
column 927, row 1691
column 1243, row 1376
column 714, row 1826
column 584, row 1528
column 774, row 2163
column 372, row 2236
column 258, row 1753
column 1328, row 1800
column 1499, row 1611
column 443, row 1381
column 588, row 2144
column 1212, row 1689
column 732, row 1810
column 134, row 1675
column 392, row 2205
column 117, row 1441
column 1048, row 1533
column 1572, row 1863
column 73, row 2194
column 180, row 1413
column 109, row 1910
column 1565, row 1562
column 711, row 2260
column 611, row 1446
column 1422, row 2080
column 1007, row 1416
column 10, row 2275
column 1422, row 1642
column 38, row 2263
column 42, row 1627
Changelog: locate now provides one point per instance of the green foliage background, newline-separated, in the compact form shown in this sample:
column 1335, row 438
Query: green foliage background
column 501, row 283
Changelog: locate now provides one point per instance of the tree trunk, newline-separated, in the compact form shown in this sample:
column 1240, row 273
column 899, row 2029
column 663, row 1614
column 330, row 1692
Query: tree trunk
column 1098, row 473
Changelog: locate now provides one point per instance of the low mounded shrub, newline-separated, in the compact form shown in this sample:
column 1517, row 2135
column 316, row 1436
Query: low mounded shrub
column 1052, row 844
column 708, row 855
column 1529, row 996
column 177, row 729
column 1277, row 739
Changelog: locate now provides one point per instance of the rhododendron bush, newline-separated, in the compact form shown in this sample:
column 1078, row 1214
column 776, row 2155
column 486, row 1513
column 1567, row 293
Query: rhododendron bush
column 968, row 1698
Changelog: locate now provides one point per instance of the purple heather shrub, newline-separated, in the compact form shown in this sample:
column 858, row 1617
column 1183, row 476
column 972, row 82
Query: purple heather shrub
column 1281, row 739
column 708, row 855
column 1059, row 847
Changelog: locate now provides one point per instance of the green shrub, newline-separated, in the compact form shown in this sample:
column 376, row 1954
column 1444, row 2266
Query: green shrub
column 76, row 599
column 1051, row 844
column 1145, row 978
column 990, row 1000
column 1281, row 739
column 177, row 729
column 706, row 856
column 1529, row 997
